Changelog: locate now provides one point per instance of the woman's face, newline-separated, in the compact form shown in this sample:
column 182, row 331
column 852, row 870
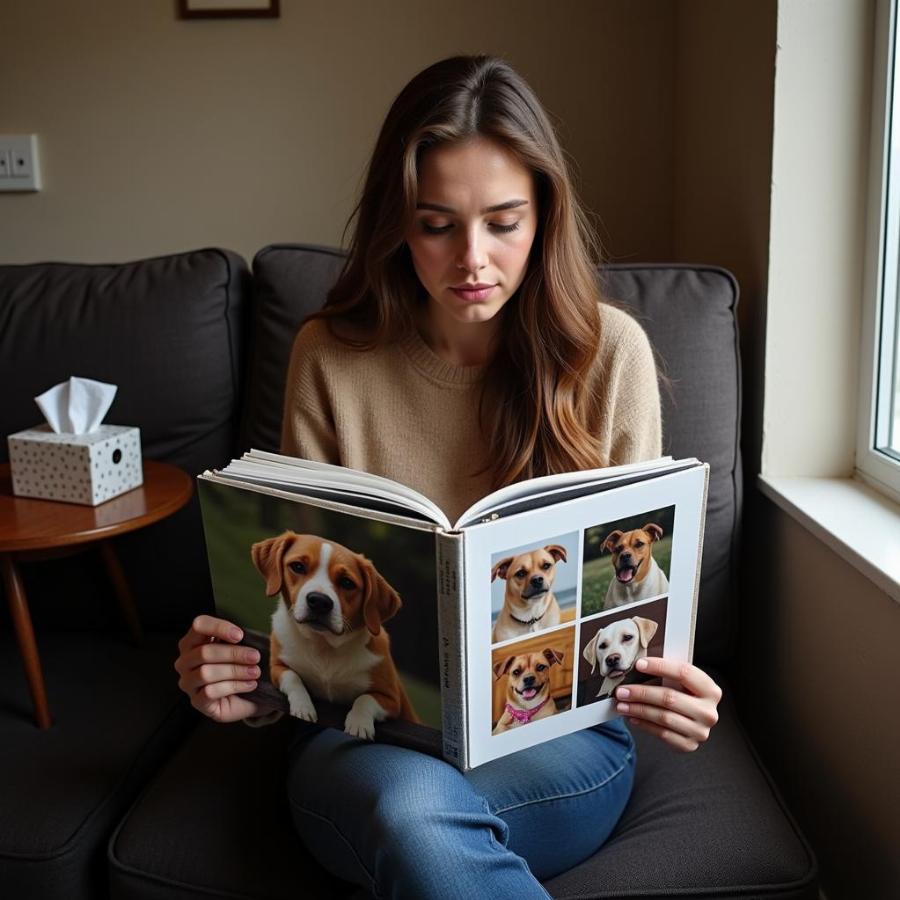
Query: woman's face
column 474, row 224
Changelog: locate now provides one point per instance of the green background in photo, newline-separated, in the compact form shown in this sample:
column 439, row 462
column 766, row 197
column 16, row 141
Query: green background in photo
column 234, row 519
column 598, row 573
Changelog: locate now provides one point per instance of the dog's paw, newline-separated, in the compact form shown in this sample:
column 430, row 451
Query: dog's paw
column 359, row 724
column 302, row 708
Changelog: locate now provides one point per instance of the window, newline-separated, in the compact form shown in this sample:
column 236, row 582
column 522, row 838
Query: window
column 878, row 450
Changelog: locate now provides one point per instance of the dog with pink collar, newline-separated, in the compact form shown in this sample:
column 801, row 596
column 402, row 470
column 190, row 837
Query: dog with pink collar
column 528, row 688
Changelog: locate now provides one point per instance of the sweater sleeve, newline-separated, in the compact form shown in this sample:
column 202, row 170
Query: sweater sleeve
column 307, row 424
column 636, row 412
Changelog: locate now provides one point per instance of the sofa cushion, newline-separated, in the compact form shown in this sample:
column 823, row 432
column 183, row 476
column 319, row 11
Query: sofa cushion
column 290, row 281
column 116, row 715
column 689, row 313
column 168, row 331
column 216, row 823
column 690, row 316
column 703, row 824
column 697, row 825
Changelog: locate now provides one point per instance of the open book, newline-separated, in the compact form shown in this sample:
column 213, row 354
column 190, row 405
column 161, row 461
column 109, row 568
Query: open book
column 469, row 639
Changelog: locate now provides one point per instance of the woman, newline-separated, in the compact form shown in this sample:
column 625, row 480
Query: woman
column 464, row 347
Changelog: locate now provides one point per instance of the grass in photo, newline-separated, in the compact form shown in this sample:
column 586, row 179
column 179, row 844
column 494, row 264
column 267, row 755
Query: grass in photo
column 627, row 560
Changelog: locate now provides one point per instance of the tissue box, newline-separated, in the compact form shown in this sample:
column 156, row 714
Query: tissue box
column 78, row 468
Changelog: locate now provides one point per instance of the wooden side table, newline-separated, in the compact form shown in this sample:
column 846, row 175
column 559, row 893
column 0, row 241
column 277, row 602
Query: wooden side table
column 44, row 529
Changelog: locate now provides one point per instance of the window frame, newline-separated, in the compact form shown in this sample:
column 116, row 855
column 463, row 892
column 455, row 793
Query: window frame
column 882, row 258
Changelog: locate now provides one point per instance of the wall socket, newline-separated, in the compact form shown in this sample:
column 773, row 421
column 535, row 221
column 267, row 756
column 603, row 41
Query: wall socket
column 19, row 169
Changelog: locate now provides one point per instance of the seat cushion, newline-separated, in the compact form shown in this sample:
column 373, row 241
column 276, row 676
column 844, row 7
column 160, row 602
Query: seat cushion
column 704, row 824
column 117, row 714
column 216, row 823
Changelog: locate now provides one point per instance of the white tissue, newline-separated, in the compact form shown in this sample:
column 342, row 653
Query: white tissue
column 76, row 406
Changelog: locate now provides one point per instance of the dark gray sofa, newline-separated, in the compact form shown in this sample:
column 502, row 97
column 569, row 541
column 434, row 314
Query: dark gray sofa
column 133, row 795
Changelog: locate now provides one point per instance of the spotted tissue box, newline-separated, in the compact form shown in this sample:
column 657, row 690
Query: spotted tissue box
column 85, row 468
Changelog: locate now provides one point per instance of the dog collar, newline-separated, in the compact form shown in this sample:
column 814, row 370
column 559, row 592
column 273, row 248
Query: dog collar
column 525, row 715
column 530, row 621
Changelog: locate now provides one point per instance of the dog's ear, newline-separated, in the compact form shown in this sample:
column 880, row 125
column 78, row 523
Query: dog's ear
column 268, row 556
column 647, row 628
column 590, row 652
column 557, row 551
column 553, row 656
column 653, row 530
column 612, row 540
column 501, row 668
column 499, row 571
column 380, row 601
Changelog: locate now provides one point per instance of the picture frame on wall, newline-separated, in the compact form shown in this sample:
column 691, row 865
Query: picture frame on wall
column 228, row 9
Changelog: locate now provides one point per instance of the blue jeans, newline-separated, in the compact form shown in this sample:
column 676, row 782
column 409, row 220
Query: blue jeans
column 402, row 824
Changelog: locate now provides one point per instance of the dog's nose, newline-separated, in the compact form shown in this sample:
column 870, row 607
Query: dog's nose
column 528, row 681
column 537, row 580
column 319, row 603
column 625, row 557
column 613, row 660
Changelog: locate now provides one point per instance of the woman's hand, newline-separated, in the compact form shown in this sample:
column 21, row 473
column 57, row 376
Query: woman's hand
column 682, row 716
column 214, row 673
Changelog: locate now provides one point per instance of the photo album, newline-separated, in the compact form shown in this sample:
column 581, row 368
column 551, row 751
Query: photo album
column 469, row 640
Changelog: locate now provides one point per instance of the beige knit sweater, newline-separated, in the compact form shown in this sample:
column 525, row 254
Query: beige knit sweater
column 403, row 412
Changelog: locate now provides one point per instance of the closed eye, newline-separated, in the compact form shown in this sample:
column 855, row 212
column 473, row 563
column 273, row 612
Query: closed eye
column 443, row 229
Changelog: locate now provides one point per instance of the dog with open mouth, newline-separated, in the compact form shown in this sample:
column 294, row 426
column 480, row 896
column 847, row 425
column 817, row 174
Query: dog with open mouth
column 617, row 647
column 637, row 574
column 327, row 638
column 528, row 688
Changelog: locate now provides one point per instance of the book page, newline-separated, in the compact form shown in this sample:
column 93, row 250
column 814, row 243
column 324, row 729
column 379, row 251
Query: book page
column 274, row 468
column 561, row 602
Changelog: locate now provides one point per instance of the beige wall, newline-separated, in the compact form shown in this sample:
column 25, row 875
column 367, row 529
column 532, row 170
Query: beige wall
column 158, row 135
column 724, row 77
column 822, row 694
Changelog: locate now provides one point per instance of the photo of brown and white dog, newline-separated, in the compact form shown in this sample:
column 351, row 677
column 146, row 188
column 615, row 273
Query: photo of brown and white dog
column 327, row 638
column 528, row 602
column 637, row 575
column 528, row 688
column 617, row 647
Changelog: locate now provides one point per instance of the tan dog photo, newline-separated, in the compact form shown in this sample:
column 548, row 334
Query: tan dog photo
column 528, row 602
column 528, row 688
column 327, row 639
column 637, row 575
column 617, row 647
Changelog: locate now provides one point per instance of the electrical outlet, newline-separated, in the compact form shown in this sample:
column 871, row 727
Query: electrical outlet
column 19, row 169
column 21, row 164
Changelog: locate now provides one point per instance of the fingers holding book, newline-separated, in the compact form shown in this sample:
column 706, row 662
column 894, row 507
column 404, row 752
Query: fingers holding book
column 214, row 672
column 681, row 713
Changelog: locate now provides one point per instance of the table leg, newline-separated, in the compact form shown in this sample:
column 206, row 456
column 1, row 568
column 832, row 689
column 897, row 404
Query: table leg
column 18, row 607
column 123, row 591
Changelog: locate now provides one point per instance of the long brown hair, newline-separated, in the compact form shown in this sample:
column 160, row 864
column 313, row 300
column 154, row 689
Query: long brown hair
column 552, row 321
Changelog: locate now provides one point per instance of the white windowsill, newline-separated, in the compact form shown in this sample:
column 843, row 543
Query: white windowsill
column 855, row 521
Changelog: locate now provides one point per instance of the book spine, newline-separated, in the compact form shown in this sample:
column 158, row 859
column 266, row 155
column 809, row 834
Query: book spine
column 452, row 637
